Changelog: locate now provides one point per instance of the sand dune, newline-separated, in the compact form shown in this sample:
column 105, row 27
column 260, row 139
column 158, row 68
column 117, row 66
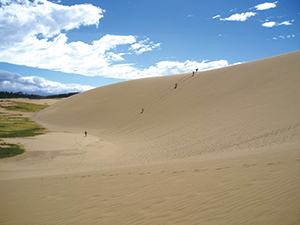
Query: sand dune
column 221, row 148
column 234, row 108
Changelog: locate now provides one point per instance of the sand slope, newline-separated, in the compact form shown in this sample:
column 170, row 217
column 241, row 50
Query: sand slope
column 221, row 148
column 239, row 107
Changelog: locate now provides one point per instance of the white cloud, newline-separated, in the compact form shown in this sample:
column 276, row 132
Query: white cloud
column 239, row 16
column 174, row 67
column 266, row 5
column 96, row 59
column 14, row 82
column 31, row 34
column 143, row 46
column 269, row 24
column 285, row 23
column 23, row 19
column 216, row 16
column 284, row 36
column 128, row 71
column 23, row 24
column 273, row 24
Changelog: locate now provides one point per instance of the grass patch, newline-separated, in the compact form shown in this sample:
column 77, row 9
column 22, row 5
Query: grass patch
column 10, row 150
column 22, row 106
column 16, row 126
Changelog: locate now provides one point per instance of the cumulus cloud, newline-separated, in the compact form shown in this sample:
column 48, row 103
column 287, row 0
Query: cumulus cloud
column 239, row 16
column 23, row 19
column 269, row 24
column 33, row 33
column 266, row 5
column 273, row 24
column 175, row 67
column 14, row 82
column 162, row 68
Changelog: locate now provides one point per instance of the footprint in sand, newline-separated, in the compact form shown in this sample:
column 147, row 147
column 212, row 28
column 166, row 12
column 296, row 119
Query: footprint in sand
column 223, row 168
column 199, row 170
column 111, row 175
column 182, row 171
column 249, row 165
column 86, row 176
column 273, row 163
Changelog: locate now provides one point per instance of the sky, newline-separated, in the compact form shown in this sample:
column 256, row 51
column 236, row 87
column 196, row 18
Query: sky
column 61, row 46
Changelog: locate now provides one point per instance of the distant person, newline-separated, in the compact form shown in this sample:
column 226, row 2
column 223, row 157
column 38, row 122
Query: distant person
column 142, row 110
column 193, row 73
column 175, row 85
column 85, row 133
column 196, row 70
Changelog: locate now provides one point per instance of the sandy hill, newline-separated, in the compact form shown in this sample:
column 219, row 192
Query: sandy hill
column 221, row 148
column 246, row 106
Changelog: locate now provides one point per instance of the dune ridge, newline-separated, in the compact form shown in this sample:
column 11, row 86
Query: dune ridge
column 221, row 148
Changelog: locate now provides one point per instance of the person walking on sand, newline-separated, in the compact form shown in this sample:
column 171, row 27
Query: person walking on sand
column 193, row 73
column 175, row 85
column 196, row 70
column 142, row 110
column 85, row 133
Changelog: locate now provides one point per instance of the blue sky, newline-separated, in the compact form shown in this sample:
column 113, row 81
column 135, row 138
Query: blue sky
column 51, row 47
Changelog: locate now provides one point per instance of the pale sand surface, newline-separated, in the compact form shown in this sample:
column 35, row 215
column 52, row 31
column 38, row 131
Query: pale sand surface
column 222, row 148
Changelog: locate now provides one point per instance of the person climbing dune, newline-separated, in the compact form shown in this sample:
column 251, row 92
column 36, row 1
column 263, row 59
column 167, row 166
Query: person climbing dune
column 142, row 110
column 175, row 85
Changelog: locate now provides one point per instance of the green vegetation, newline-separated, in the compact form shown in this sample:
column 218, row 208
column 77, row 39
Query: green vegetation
column 15, row 125
column 22, row 106
column 9, row 150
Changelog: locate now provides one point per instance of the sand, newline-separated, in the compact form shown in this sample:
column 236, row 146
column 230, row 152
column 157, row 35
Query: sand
column 221, row 148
